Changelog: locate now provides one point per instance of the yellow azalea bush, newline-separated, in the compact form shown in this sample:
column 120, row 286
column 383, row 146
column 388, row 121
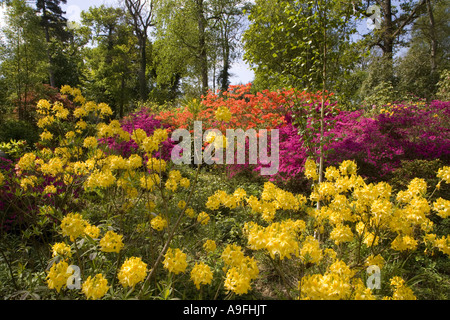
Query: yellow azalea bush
column 139, row 226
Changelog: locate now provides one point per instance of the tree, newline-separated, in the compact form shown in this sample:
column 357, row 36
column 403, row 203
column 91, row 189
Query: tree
column 394, row 23
column 428, row 52
column 53, row 23
column 22, row 60
column 228, row 28
column 285, row 42
column 111, row 62
column 142, row 17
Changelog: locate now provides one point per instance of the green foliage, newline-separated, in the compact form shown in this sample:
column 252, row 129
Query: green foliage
column 18, row 130
column 444, row 86
column 14, row 149
column 286, row 39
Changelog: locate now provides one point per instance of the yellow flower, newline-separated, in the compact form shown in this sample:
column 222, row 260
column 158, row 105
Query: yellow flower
column 111, row 242
column 175, row 261
column 311, row 170
column 46, row 135
column 223, row 114
column 157, row 165
column 190, row 212
column 61, row 249
column 201, row 274
column 133, row 271
column 310, row 251
column 50, row 189
column 181, row 204
column 28, row 181
column 239, row 276
column 90, row 143
column 203, row 218
column 377, row 260
column 444, row 174
column 2, row 178
column 105, row 110
column 185, row 183
column 43, row 106
column 58, row 275
column 232, row 255
column 443, row 244
column 92, row 231
column 80, row 112
column 347, row 167
column 171, row 184
column 341, row 233
column 210, row 245
column 158, row 223
column 72, row 225
column 138, row 136
column 442, row 207
column 401, row 292
column 403, row 243
column 160, row 135
column 27, row 161
column 95, row 288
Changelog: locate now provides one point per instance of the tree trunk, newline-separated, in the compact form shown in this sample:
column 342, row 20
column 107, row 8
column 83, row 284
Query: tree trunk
column 226, row 67
column 388, row 32
column 203, row 57
column 143, row 68
column 433, row 39
column 51, row 72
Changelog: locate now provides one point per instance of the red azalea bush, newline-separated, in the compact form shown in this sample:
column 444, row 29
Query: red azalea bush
column 261, row 110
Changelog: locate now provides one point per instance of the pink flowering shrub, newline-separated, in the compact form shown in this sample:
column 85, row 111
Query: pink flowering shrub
column 378, row 144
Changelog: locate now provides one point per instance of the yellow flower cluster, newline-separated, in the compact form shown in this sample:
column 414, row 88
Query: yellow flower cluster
column 357, row 210
column 157, row 165
column 90, row 143
column 175, row 261
column 149, row 144
column 73, row 225
column 241, row 269
column 444, row 174
column 335, row 284
column 210, row 245
column 132, row 271
column 223, row 114
column 203, row 218
column 176, row 178
column 58, row 275
column 218, row 139
column 279, row 238
column 442, row 207
column 272, row 199
column 401, row 291
column 201, row 274
column 27, row 161
column 95, row 287
column 61, row 249
column 311, row 251
column 92, row 231
column 148, row 182
column 311, row 170
column 111, row 242
column 158, row 223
